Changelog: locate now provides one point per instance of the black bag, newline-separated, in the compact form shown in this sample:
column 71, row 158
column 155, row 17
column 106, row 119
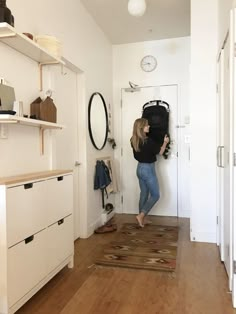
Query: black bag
column 157, row 114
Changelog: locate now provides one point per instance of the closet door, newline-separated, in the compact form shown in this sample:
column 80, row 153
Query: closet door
column 225, row 160
column 224, row 169
column 220, row 147
column 233, row 147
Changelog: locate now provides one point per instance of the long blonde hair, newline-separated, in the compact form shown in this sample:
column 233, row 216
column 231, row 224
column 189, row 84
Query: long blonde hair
column 139, row 135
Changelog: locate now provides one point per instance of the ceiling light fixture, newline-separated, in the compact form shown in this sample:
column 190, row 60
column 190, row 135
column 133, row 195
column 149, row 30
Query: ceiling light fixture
column 136, row 7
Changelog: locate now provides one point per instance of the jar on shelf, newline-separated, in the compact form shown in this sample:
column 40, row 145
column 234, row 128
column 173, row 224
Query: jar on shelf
column 5, row 13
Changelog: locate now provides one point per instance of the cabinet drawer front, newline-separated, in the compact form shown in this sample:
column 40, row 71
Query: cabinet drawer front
column 60, row 244
column 59, row 198
column 26, row 213
column 26, row 266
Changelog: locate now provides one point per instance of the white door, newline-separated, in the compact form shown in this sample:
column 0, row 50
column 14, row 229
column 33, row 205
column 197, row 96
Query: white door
column 225, row 133
column 132, row 103
column 233, row 147
column 65, row 95
column 220, row 146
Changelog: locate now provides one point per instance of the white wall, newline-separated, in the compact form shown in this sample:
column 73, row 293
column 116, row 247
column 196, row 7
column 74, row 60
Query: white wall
column 173, row 58
column 85, row 45
column 203, row 119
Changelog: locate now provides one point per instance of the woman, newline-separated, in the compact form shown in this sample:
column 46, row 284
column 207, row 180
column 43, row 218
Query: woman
column 145, row 151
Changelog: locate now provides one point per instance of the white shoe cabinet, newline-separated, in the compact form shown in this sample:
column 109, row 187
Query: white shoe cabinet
column 36, row 233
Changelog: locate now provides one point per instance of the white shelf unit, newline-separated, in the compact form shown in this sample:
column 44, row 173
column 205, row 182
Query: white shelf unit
column 36, row 233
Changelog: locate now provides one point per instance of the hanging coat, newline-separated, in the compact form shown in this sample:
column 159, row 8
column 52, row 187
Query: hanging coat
column 102, row 176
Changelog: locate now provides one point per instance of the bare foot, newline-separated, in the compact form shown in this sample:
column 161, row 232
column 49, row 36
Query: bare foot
column 147, row 222
column 140, row 221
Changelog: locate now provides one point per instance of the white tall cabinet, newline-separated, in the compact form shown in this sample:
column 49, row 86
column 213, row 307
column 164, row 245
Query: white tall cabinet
column 36, row 233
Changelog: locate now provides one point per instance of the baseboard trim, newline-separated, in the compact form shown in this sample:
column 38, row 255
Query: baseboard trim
column 184, row 214
column 200, row 236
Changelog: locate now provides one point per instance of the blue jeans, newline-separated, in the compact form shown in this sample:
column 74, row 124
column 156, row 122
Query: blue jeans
column 149, row 187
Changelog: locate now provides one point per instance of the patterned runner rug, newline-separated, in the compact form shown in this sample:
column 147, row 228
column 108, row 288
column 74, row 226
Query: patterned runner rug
column 153, row 247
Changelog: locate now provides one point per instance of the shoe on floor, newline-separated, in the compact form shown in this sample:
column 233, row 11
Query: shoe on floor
column 105, row 228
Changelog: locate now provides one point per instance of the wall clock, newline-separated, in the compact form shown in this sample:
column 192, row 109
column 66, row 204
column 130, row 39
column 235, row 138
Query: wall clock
column 148, row 63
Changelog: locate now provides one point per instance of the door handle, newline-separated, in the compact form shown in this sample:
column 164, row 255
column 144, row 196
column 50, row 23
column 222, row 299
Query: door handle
column 77, row 163
column 180, row 126
column 219, row 157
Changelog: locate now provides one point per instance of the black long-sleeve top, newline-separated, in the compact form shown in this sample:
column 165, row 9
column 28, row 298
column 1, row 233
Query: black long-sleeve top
column 148, row 151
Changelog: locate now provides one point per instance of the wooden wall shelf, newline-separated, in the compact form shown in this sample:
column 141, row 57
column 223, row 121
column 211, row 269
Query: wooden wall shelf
column 26, row 46
column 42, row 125
column 9, row 119
column 29, row 48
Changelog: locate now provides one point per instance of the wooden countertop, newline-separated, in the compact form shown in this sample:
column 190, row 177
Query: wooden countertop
column 33, row 176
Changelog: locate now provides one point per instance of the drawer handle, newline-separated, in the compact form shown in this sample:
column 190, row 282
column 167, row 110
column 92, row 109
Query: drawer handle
column 60, row 222
column 28, row 186
column 29, row 239
column 60, row 178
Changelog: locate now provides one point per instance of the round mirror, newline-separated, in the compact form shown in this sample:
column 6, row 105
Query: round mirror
column 97, row 120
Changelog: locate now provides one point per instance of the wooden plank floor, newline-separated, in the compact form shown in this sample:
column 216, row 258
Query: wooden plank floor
column 199, row 285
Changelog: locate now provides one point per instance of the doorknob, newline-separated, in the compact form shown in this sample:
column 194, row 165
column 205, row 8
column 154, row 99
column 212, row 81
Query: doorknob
column 77, row 163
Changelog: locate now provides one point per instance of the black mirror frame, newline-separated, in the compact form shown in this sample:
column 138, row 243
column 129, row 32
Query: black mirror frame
column 89, row 122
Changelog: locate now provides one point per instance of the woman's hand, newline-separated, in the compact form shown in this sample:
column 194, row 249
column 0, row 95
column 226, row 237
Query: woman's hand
column 166, row 139
column 165, row 142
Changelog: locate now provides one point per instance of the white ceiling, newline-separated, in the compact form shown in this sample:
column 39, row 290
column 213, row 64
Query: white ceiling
column 162, row 19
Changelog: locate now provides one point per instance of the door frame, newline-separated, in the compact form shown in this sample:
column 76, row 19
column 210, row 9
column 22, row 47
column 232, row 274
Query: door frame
column 81, row 217
column 179, row 126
